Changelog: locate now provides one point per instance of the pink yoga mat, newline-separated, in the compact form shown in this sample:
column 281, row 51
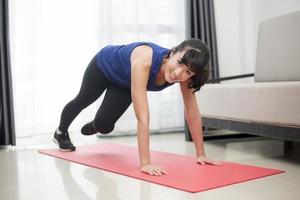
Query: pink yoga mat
column 183, row 171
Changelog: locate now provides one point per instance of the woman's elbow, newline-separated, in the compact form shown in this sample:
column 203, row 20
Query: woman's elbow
column 144, row 121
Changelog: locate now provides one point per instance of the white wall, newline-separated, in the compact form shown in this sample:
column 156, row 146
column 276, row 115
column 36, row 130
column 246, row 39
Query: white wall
column 237, row 26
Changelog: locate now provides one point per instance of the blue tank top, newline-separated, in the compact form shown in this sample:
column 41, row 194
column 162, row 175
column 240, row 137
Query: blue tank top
column 114, row 62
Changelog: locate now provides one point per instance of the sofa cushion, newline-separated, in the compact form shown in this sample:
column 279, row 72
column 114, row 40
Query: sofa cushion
column 275, row 103
column 278, row 49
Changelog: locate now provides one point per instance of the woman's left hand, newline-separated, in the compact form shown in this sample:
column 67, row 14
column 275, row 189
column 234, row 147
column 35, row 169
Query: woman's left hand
column 202, row 160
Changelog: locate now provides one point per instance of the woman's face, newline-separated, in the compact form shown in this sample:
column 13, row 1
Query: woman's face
column 176, row 72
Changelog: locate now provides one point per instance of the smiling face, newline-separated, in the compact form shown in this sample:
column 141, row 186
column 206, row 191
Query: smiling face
column 189, row 61
column 175, row 71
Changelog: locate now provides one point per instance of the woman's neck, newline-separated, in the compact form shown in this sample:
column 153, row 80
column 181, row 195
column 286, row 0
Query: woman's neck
column 160, row 78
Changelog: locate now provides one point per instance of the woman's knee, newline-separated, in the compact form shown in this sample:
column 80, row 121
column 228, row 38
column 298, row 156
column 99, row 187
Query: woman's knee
column 103, row 127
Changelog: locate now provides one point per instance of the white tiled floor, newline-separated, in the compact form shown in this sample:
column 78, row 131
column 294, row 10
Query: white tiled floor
column 26, row 174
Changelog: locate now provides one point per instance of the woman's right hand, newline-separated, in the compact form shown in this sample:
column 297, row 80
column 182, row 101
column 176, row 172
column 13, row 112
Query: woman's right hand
column 153, row 170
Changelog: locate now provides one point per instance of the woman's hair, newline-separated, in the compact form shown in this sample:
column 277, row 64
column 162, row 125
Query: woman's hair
column 196, row 58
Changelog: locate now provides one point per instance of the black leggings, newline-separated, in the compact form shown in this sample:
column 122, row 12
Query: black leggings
column 115, row 103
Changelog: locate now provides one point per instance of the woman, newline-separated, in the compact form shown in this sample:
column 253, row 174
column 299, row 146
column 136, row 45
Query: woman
column 127, row 72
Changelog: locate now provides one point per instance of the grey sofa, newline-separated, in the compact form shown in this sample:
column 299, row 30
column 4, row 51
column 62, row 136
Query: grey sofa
column 271, row 105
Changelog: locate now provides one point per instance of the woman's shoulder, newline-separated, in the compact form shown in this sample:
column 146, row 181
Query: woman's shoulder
column 142, row 55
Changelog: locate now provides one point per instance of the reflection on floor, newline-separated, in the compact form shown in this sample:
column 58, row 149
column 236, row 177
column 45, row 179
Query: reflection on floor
column 26, row 174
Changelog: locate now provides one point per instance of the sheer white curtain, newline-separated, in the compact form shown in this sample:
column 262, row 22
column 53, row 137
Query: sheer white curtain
column 53, row 41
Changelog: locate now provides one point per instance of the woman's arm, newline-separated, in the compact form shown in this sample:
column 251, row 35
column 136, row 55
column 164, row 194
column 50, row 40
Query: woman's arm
column 140, row 66
column 141, row 59
column 193, row 118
